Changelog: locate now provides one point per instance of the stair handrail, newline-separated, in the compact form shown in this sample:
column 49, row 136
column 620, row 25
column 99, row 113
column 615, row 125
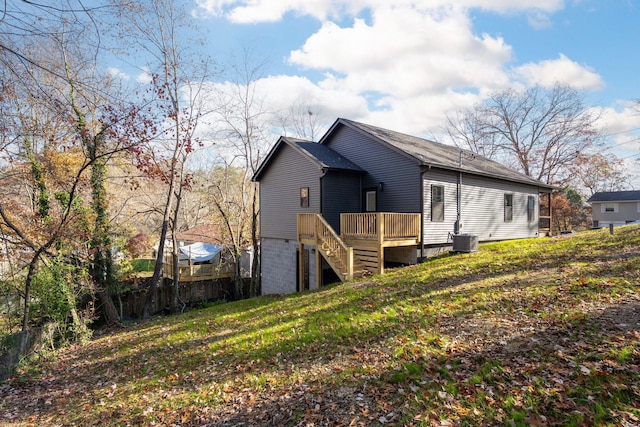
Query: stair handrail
column 325, row 234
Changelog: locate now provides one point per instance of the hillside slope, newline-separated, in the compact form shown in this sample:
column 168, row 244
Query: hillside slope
column 531, row 332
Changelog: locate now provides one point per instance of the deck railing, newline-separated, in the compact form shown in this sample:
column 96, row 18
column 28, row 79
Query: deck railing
column 307, row 225
column 194, row 273
column 337, row 253
column 380, row 225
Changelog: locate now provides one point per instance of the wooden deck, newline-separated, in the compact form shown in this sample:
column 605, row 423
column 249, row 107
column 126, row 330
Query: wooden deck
column 359, row 249
column 381, row 228
column 200, row 272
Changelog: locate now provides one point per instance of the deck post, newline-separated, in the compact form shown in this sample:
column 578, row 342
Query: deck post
column 318, row 268
column 301, row 268
column 380, row 224
column 349, row 263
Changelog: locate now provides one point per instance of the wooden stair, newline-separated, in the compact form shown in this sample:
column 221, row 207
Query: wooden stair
column 339, row 264
column 338, row 255
column 360, row 249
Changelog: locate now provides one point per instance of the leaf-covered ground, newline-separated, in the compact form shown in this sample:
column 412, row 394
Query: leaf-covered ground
column 536, row 332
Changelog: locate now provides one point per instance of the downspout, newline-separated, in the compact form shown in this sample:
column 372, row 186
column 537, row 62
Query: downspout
column 424, row 171
column 456, row 227
column 361, row 208
column 321, row 195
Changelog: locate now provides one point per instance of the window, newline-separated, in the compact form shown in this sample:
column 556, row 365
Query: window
column 531, row 208
column 370, row 201
column 610, row 207
column 508, row 207
column 304, row 197
column 437, row 203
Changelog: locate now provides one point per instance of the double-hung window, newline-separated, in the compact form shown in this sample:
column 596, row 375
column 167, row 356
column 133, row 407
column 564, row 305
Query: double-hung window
column 304, row 197
column 531, row 208
column 508, row 207
column 371, row 200
column 437, row 203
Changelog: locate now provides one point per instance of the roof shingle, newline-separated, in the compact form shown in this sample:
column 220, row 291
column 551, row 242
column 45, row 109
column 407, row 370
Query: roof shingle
column 615, row 196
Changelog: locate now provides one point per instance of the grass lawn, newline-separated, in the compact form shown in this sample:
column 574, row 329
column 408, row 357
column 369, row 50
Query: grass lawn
column 536, row 332
column 143, row 264
column 143, row 267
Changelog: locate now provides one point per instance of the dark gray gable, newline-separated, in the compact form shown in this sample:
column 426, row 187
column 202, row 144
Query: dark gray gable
column 322, row 156
column 615, row 196
column 273, row 153
column 434, row 154
column 328, row 158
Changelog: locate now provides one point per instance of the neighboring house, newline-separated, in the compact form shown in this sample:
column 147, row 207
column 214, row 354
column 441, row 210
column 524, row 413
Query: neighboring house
column 364, row 196
column 614, row 207
column 191, row 242
column 205, row 233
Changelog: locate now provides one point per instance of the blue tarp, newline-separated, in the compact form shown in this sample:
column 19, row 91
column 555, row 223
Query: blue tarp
column 200, row 252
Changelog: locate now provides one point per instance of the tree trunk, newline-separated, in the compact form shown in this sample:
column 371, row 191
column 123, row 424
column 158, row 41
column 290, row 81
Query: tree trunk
column 102, row 269
column 254, row 288
column 175, row 289
column 109, row 311
column 238, row 283
column 157, row 271
column 33, row 265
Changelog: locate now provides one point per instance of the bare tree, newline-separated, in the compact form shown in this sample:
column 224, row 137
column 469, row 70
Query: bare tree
column 539, row 131
column 244, row 123
column 155, row 27
column 599, row 172
column 302, row 120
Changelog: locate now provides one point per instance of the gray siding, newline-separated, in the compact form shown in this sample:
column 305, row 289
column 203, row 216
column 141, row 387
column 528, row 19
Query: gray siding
column 280, row 193
column 482, row 212
column 438, row 232
column 341, row 193
column 626, row 212
column 399, row 173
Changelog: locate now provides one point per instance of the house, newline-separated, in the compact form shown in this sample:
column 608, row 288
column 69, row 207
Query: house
column 614, row 207
column 205, row 233
column 214, row 233
column 364, row 197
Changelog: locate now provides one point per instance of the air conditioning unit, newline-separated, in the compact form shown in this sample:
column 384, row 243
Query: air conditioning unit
column 465, row 242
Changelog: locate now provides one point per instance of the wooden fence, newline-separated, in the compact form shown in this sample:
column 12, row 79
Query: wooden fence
column 190, row 293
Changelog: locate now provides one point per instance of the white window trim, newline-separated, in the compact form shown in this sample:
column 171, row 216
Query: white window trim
column 603, row 208
column 368, row 195
column 508, row 218
column 442, row 187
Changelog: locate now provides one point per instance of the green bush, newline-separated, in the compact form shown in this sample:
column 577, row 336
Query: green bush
column 56, row 290
column 143, row 264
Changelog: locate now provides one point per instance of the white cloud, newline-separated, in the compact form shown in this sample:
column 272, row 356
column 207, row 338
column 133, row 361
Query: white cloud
column 299, row 91
column 144, row 77
column 293, row 92
column 539, row 20
column 405, row 52
column 621, row 121
column 251, row 11
column 546, row 73
column 620, row 124
column 117, row 73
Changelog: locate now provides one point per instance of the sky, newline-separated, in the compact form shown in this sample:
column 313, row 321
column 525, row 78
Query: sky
column 406, row 64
